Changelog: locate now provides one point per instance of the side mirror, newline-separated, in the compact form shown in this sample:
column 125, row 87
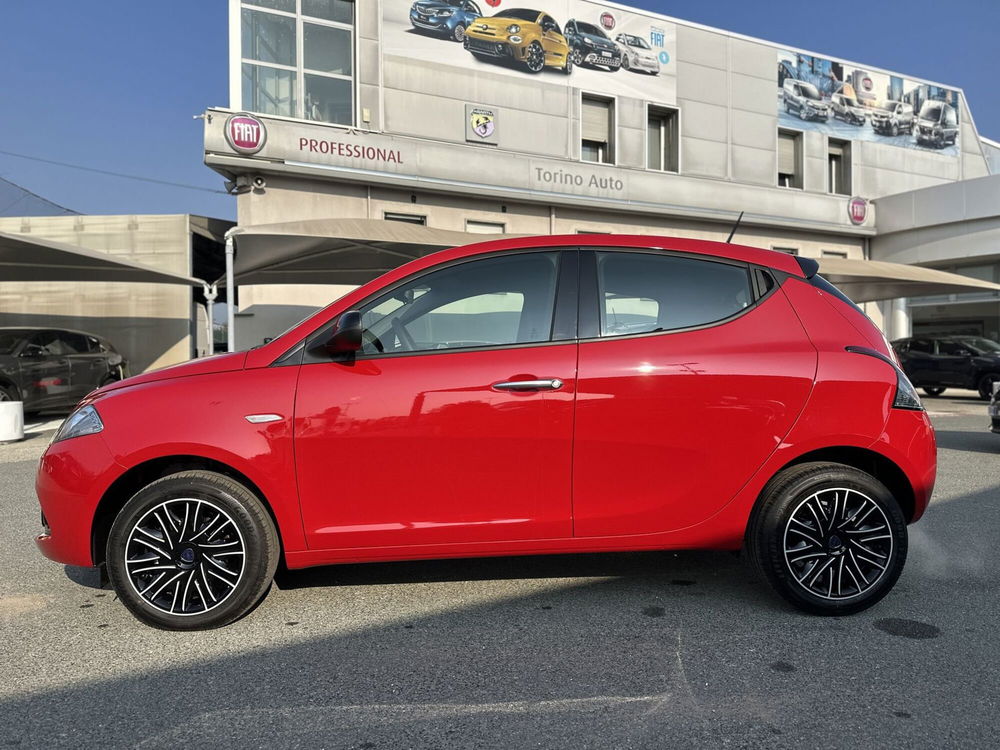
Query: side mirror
column 32, row 351
column 346, row 336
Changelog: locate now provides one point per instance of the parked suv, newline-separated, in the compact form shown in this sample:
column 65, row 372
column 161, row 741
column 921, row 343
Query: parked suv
column 637, row 55
column 529, row 37
column 447, row 17
column 848, row 109
column 591, row 46
column 804, row 99
column 893, row 118
column 555, row 394
column 53, row 368
column 938, row 362
column 937, row 125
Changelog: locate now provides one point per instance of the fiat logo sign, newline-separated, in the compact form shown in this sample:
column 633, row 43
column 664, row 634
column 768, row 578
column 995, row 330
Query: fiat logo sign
column 607, row 20
column 245, row 134
column 857, row 208
column 867, row 83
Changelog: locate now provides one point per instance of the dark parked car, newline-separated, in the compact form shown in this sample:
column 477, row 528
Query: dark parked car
column 50, row 368
column 936, row 125
column 995, row 412
column 448, row 17
column 591, row 46
column 938, row 362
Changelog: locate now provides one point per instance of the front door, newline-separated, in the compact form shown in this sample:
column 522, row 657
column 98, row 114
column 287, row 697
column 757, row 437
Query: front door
column 454, row 422
column 685, row 386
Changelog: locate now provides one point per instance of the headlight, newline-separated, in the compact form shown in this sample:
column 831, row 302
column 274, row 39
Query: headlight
column 445, row 13
column 85, row 421
column 514, row 38
column 513, row 28
column 588, row 42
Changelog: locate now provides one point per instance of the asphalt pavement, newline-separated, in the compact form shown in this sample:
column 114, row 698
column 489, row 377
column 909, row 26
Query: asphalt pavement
column 651, row 650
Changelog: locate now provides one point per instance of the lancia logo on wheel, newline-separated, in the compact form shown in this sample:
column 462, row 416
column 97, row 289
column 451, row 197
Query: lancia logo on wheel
column 245, row 133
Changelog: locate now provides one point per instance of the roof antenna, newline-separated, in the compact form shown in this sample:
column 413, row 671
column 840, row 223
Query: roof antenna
column 735, row 227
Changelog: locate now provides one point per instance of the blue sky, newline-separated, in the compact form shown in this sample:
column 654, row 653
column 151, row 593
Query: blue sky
column 114, row 84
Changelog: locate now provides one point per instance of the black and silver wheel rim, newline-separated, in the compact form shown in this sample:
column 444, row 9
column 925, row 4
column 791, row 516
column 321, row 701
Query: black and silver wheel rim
column 535, row 59
column 4, row 395
column 577, row 57
column 185, row 556
column 459, row 33
column 838, row 544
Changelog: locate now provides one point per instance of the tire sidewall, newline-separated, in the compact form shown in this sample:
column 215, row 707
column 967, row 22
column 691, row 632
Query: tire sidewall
column 259, row 562
column 770, row 533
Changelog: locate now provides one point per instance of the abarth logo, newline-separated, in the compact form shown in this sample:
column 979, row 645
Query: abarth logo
column 245, row 133
column 483, row 123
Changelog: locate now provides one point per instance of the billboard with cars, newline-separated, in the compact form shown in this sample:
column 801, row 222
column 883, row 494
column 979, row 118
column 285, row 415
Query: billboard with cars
column 588, row 45
column 848, row 102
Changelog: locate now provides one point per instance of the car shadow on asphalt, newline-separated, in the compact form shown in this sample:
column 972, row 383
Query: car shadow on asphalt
column 973, row 442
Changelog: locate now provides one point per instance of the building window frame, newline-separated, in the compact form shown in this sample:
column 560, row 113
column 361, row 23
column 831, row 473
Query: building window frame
column 651, row 108
column 237, row 61
column 846, row 165
column 612, row 144
column 500, row 226
column 787, row 250
column 405, row 218
column 800, row 158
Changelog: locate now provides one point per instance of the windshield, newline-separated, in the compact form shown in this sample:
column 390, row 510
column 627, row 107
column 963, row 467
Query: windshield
column 931, row 111
column 586, row 28
column 520, row 14
column 635, row 41
column 9, row 341
column 809, row 91
column 850, row 101
column 981, row 345
column 889, row 106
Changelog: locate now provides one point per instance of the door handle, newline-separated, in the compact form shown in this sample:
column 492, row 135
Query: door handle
column 529, row 385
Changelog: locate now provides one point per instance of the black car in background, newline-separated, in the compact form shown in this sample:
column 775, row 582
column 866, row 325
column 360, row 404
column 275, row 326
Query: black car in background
column 938, row 362
column 53, row 368
column 591, row 46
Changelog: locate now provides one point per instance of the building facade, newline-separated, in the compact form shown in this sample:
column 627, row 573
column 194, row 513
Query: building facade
column 483, row 116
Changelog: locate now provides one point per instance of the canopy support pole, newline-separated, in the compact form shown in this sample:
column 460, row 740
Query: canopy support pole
column 230, row 296
column 211, row 294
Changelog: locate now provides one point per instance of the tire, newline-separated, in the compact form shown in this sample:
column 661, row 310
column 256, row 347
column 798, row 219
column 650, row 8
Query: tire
column 9, row 393
column 577, row 56
column 985, row 386
column 935, row 391
column 534, row 58
column 152, row 545
column 895, row 130
column 458, row 33
column 865, row 542
column 568, row 67
column 625, row 62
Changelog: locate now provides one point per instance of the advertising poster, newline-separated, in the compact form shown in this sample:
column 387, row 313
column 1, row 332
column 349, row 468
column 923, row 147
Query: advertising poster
column 854, row 104
column 577, row 43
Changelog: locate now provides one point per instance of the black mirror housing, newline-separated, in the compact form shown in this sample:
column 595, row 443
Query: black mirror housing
column 346, row 337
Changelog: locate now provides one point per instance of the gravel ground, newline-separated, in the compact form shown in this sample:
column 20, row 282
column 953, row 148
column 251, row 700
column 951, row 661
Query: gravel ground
column 632, row 650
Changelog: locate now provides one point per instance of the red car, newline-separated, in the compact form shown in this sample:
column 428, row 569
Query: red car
column 524, row 396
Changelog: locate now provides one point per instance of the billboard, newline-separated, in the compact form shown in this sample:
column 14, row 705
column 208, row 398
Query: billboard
column 844, row 101
column 577, row 43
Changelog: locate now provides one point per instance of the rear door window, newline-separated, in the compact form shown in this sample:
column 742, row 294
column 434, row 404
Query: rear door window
column 647, row 292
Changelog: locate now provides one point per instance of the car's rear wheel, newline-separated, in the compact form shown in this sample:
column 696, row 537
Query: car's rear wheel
column 985, row 386
column 828, row 538
column 534, row 58
column 935, row 391
column 8, row 393
column 192, row 551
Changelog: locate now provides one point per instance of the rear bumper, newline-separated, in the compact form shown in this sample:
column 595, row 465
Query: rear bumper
column 72, row 478
column 908, row 440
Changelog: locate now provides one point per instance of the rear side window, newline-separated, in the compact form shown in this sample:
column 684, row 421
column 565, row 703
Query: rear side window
column 923, row 346
column 644, row 292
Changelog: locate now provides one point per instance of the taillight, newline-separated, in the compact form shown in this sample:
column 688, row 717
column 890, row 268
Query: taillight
column 906, row 395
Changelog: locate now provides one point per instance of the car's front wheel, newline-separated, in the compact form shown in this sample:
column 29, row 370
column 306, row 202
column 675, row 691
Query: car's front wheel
column 192, row 551
column 534, row 58
column 458, row 33
column 985, row 386
column 828, row 538
column 935, row 391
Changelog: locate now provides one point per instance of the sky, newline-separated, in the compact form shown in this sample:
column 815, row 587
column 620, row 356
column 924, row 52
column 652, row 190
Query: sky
column 115, row 84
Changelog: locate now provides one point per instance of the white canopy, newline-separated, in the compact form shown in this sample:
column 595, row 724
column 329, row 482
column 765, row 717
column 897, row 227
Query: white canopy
column 871, row 280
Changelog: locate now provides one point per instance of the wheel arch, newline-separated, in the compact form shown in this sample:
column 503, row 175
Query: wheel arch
column 137, row 477
column 871, row 462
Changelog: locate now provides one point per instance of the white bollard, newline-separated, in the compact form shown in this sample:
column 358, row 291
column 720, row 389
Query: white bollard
column 11, row 421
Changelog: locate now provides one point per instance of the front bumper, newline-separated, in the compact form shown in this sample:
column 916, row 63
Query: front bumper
column 491, row 46
column 809, row 113
column 73, row 476
column 649, row 66
column 429, row 23
column 592, row 57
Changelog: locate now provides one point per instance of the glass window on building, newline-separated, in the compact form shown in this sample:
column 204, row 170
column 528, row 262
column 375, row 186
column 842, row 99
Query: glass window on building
column 789, row 159
column 298, row 59
column 662, row 143
column 485, row 227
column 838, row 167
column 407, row 218
column 598, row 117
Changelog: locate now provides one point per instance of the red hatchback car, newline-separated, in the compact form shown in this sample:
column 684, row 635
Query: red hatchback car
column 524, row 396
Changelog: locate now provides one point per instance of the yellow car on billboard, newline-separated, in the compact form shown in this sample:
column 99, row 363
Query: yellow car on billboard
column 530, row 37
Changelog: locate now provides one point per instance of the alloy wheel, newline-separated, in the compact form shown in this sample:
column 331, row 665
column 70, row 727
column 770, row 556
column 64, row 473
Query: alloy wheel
column 185, row 556
column 535, row 59
column 838, row 544
column 459, row 33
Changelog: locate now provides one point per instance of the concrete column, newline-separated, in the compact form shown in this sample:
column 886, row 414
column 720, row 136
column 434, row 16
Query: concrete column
column 900, row 323
column 230, row 297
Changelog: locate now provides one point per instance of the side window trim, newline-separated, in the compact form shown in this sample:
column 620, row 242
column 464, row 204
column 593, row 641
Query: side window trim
column 300, row 352
column 590, row 303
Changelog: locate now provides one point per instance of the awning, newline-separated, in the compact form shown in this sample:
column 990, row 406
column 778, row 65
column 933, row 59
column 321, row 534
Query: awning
column 335, row 251
column 871, row 280
column 26, row 258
